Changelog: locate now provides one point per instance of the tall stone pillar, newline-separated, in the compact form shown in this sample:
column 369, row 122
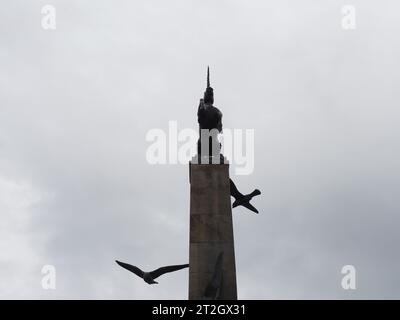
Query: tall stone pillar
column 211, row 230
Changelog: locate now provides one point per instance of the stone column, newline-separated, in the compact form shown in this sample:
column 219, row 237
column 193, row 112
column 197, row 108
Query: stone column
column 211, row 230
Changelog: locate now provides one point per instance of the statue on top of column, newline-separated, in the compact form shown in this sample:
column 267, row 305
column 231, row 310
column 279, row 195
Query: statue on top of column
column 210, row 122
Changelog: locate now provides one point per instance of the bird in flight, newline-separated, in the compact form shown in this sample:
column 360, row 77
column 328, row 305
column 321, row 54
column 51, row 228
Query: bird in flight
column 150, row 276
column 243, row 200
column 213, row 289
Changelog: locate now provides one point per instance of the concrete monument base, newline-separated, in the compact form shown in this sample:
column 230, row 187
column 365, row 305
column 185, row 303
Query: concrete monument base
column 211, row 230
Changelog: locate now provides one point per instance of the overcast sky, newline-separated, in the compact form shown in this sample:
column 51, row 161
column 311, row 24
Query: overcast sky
column 76, row 103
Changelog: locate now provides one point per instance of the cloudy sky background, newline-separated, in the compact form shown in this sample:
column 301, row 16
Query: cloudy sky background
column 76, row 103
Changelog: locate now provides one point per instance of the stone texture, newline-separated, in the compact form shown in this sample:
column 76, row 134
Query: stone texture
column 211, row 229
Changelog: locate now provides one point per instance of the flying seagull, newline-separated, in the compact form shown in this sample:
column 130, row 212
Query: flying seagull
column 213, row 288
column 243, row 200
column 150, row 276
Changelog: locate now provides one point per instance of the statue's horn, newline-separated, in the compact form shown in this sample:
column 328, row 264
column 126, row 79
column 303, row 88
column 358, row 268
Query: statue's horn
column 209, row 93
column 208, row 76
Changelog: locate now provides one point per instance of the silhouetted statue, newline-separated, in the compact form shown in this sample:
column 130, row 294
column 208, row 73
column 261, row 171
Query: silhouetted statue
column 209, row 118
column 150, row 276
column 213, row 288
column 243, row 200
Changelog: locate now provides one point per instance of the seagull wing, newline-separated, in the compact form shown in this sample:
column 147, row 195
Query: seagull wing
column 234, row 191
column 250, row 207
column 256, row 192
column 214, row 286
column 131, row 268
column 160, row 271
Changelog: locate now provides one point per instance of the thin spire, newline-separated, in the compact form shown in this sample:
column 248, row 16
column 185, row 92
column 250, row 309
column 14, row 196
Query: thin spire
column 209, row 93
column 208, row 76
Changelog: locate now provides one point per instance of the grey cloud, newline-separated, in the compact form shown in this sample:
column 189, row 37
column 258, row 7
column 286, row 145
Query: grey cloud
column 76, row 103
